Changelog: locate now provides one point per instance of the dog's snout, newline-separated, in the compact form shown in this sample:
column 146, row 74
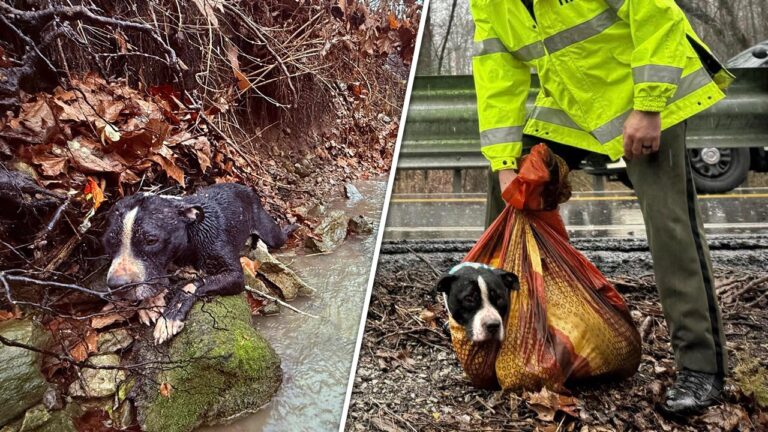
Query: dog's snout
column 115, row 281
column 492, row 327
column 124, row 271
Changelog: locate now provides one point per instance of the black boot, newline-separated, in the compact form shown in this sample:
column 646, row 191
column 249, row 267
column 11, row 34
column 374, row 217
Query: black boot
column 692, row 392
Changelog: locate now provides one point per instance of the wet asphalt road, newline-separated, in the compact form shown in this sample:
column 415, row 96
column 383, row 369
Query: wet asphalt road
column 743, row 211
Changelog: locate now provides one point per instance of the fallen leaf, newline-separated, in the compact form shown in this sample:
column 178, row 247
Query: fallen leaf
column 101, row 321
column 6, row 315
column 428, row 317
column 50, row 166
column 89, row 159
column 165, row 390
column 250, row 266
column 203, row 152
column 393, row 23
column 206, row 8
column 547, row 404
column 93, row 192
column 120, row 39
column 86, row 346
column 243, row 83
column 170, row 168
column 256, row 304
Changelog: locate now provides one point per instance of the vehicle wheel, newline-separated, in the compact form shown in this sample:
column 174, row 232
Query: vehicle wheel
column 718, row 170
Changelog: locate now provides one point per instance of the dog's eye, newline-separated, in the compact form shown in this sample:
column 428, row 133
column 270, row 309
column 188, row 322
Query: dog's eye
column 470, row 299
column 151, row 241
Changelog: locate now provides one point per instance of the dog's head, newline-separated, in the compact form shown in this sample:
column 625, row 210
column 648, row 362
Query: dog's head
column 477, row 297
column 144, row 234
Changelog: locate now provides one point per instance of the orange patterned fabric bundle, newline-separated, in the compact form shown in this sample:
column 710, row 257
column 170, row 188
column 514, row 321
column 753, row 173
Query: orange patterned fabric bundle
column 567, row 323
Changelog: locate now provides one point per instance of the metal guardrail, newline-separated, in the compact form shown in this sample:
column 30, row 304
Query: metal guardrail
column 441, row 131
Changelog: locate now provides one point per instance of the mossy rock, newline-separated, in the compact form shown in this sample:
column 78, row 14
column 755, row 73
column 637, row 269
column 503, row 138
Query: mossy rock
column 21, row 383
column 223, row 370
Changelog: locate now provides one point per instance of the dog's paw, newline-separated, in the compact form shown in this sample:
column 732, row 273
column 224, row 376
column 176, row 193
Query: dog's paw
column 166, row 329
column 151, row 309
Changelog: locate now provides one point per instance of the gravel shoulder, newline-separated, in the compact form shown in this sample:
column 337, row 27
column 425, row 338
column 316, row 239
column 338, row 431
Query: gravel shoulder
column 408, row 378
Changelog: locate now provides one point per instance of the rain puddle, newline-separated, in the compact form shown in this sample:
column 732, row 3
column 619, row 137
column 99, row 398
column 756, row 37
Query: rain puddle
column 317, row 353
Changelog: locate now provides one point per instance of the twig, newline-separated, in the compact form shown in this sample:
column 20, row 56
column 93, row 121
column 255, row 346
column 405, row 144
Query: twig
column 280, row 302
column 5, row 277
column 419, row 256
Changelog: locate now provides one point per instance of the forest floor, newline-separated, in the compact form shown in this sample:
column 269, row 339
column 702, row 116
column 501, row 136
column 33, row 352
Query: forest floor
column 408, row 378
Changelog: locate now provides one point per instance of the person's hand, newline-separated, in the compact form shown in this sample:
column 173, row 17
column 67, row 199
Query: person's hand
column 506, row 177
column 642, row 134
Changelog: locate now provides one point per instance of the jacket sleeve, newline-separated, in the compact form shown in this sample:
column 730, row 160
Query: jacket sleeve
column 502, row 83
column 658, row 32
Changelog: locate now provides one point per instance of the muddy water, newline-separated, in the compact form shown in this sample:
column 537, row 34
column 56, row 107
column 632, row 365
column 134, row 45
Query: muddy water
column 317, row 353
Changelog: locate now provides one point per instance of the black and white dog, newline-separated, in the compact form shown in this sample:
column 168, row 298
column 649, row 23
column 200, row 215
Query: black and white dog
column 477, row 297
column 207, row 230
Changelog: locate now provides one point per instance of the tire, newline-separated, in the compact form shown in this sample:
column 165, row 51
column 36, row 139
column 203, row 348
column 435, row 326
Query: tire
column 718, row 170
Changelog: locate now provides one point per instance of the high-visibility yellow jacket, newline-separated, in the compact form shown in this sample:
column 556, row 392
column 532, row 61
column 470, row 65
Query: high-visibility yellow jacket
column 597, row 60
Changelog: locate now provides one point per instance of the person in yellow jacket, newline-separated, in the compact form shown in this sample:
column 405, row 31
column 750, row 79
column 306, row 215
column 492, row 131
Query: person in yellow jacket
column 618, row 77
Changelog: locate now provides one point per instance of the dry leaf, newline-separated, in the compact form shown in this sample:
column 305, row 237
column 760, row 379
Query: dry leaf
column 206, row 8
column 165, row 390
column 93, row 192
column 242, row 81
column 256, row 304
column 6, row 315
column 107, row 319
column 170, row 168
column 547, row 404
column 249, row 266
column 86, row 346
column 120, row 39
column 393, row 23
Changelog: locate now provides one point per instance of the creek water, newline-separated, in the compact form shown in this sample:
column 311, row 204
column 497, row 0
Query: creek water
column 317, row 353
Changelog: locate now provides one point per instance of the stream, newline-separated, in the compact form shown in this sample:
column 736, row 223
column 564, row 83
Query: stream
column 317, row 353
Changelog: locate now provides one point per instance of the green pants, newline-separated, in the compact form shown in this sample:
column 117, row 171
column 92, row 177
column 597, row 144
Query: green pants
column 681, row 262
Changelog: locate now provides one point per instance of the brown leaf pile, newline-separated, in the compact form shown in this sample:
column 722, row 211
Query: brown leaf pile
column 111, row 132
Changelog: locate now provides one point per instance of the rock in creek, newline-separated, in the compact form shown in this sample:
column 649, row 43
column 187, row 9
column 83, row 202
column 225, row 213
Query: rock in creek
column 330, row 233
column 352, row 193
column 39, row 419
column 280, row 276
column 222, row 370
column 21, row 382
column 97, row 382
column 360, row 225
column 115, row 340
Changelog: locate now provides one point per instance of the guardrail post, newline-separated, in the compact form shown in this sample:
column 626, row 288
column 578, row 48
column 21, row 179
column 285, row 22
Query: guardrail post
column 457, row 181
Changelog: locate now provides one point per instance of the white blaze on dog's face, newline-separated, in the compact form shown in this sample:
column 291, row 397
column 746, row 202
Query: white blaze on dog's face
column 487, row 322
column 477, row 297
column 125, row 268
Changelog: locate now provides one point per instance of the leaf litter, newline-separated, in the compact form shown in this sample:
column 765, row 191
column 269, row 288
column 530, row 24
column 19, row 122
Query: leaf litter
column 431, row 393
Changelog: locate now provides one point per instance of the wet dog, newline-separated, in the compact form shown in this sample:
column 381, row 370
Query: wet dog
column 147, row 233
column 477, row 297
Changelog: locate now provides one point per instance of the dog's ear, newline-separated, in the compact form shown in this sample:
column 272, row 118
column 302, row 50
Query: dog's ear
column 445, row 282
column 509, row 279
column 192, row 213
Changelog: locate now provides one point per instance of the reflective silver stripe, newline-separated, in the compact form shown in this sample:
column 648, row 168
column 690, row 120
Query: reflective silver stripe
column 688, row 84
column 530, row 52
column 554, row 116
column 656, row 73
column 582, row 31
column 615, row 4
column 489, row 46
column 501, row 135
column 612, row 129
